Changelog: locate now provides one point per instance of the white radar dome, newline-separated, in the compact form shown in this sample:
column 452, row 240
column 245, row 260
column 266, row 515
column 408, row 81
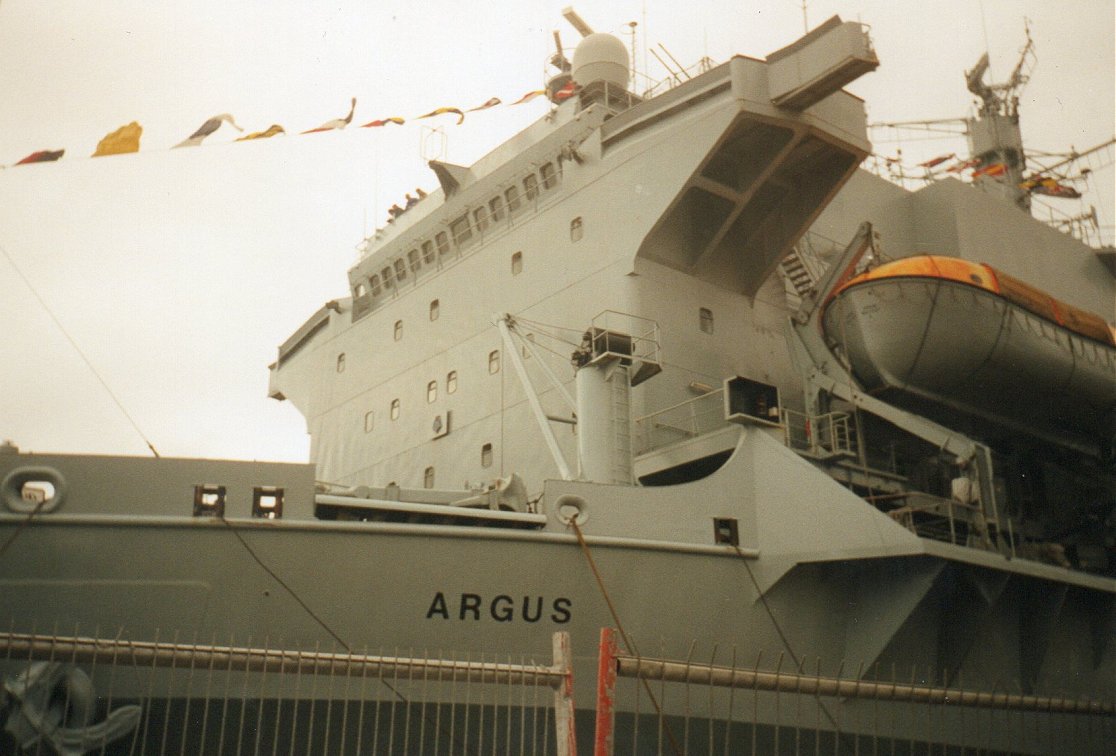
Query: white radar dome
column 601, row 57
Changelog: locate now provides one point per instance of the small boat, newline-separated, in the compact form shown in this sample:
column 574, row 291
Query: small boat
column 963, row 337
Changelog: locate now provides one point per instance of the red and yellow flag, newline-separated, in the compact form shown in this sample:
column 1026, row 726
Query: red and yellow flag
column 125, row 139
column 442, row 111
column 529, row 96
column 491, row 102
column 384, row 122
column 42, row 156
column 271, row 131
column 992, row 169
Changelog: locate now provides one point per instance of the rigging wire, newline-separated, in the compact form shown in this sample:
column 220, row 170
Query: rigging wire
column 77, row 348
column 628, row 643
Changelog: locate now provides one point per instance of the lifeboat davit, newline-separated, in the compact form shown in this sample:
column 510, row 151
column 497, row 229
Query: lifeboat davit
column 940, row 333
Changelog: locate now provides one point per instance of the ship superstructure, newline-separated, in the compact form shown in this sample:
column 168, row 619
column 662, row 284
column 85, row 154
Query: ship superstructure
column 647, row 330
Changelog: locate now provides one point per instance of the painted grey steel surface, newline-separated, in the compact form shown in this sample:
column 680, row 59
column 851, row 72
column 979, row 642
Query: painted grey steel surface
column 676, row 209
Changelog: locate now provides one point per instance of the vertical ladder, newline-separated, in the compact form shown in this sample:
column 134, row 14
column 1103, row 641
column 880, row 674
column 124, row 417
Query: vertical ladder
column 621, row 409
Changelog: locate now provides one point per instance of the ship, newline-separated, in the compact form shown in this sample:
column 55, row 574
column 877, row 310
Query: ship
column 670, row 361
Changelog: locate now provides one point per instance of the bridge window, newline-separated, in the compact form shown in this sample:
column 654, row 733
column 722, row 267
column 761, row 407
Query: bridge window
column 209, row 500
column 400, row 271
column 496, row 205
column 375, row 285
column 512, row 196
column 531, row 186
column 461, row 230
column 549, row 175
column 389, row 278
column 480, row 218
column 442, row 240
column 413, row 261
column 428, row 252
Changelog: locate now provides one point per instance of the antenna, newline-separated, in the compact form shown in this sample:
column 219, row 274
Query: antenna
column 559, row 59
column 576, row 22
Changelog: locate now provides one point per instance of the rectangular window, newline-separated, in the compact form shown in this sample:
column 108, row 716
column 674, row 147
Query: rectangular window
column 442, row 240
column 428, row 252
column 496, row 205
column 461, row 230
column 494, row 362
column 480, row 218
column 531, row 186
column 705, row 320
column 512, row 196
column 517, row 263
column 549, row 175
column 360, row 290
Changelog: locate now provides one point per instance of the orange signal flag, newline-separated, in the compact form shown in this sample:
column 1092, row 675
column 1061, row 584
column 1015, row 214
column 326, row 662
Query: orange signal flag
column 937, row 161
column 489, row 103
column 529, row 96
column 125, row 139
column 42, row 156
column 992, row 169
column 442, row 111
column 272, row 130
column 384, row 122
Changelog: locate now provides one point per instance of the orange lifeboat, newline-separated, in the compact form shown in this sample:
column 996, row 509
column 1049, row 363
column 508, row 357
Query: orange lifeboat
column 941, row 332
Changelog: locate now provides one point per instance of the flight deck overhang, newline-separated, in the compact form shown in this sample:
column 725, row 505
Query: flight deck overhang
column 765, row 175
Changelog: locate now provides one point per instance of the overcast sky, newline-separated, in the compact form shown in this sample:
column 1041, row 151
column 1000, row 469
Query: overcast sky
column 178, row 272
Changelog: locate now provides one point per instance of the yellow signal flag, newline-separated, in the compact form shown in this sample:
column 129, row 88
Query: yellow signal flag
column 125, row 139
column 271, row 131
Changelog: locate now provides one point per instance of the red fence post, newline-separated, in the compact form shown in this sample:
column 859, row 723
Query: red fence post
column 606, row 688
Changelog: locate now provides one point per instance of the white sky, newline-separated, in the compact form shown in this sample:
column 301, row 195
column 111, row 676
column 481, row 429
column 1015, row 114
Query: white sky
column 179, row 272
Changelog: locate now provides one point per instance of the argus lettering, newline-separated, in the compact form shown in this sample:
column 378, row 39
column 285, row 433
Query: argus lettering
column 500, row 608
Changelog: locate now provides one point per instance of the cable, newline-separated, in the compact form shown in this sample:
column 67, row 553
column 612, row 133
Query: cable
column 623, row 634
column 81, row 354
